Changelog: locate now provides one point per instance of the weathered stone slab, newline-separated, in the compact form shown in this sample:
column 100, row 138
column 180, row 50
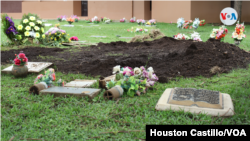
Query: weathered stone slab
column 99, row 36
column 196, row 101
column 109, row 78
column 69, row 25
column 34, row 67
column 69, row 91
column 47, row 24
column 78, row 83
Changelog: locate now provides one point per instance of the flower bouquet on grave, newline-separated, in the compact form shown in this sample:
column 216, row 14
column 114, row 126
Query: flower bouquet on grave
column 180, row 22
column 196, row 23
column 181, row 36
column 70, row 20
column 31, row 27
column 95, row 20
column 76, row 19
column 220, row 33
column 74, row 38
column 88, row 21
column 123, row 20
column 196, row 37
column 132, row 20
column 238, row 34
column 101, row 19
column 202, row 23
column 106, row 20
column 187, row 24
column 10, row 29
column 55, row 37
column 20, row 68
column 59, row 18
column 57, row 25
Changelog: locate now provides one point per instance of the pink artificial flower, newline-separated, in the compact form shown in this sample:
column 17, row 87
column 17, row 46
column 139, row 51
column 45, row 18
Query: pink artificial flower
column 21, row 55
column 17, row 61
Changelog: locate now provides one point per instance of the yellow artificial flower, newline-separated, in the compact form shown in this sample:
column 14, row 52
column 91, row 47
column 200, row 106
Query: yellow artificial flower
column 55, row 33
column 25, row 20
column 32, row 24
column 27, row 28
column 27, row 33
column 49, row 33
column 51, row 38
column 37, row 28
column 55, row 39
column 42, row 29
column 19, row 27
column 32, row 18
column 68, row 34
column 39, row 22
column 37, row 35
column 43, row 36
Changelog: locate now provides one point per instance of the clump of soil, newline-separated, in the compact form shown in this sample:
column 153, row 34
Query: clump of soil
column 154, row 34
column 168, row 57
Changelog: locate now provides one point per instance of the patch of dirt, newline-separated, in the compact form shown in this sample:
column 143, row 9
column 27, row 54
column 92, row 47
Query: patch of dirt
column 170, row 57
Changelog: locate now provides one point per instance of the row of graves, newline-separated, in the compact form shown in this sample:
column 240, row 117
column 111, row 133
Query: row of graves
column 123, row 81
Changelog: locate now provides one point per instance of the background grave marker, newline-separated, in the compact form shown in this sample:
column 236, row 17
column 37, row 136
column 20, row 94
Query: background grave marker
column 196, row 101
column 32, row 67
column 69, row 91
column 47, row 24
column 78, row 83
column 99, row 36
column 68, row 25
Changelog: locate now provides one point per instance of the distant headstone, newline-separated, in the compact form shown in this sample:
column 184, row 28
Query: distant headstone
column 196, row 101
column 69, row 91
column 69, row 25
column 47, row 24
column 80, row 83
column 32, row 67
column 98, row 36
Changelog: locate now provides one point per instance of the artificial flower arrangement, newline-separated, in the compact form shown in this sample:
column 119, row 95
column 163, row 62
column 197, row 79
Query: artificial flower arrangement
column 138, row 30
column 57, row 25
column 48, row 79
column 132, row 20
column 187, row 24
column 76, row 19
column 219, row 33
column 180, row 22
column 140, row 21
column 238, row 34
column 55, row 37
column 59, row 18
column 20, row 59
column 202, row 23
column 195, row 36
column 10, row 29
column 88, row 21
column 151, row 22
column 196, row 23
column 95, row 20
column 74, row 38
column 123, row 20
column 31, row 26
column 70, row 20
column 106, row 20
column 133, row 81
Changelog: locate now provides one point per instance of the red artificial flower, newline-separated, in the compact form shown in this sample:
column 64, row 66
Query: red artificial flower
column 17, row 62
column 25, row 59
column 226, row 30
column 21, row 55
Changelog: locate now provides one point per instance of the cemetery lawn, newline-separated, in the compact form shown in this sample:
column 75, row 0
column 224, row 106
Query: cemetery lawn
column 25, row 116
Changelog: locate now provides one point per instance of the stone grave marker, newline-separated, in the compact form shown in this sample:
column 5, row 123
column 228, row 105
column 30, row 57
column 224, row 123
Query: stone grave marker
column 47, row 24
column 35, row 67
column 69, row 25
column 69, row 91
column 78, row 83
column 99, row 36
column 195, row 101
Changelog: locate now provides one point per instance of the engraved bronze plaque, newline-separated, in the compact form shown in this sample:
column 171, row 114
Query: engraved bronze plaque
column 10, row 6
column 194, row 97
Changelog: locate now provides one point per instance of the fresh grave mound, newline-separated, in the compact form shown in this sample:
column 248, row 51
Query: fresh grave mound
column 168, row 57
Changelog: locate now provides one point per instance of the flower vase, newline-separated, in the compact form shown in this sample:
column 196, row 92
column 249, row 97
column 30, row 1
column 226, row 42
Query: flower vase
column 20, row 71
column 30, row 40
column 113, row 93
column 236, row 42
column 35, row 89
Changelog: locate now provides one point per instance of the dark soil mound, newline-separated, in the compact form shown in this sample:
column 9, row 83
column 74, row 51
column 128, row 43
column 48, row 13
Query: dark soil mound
column 169, row 57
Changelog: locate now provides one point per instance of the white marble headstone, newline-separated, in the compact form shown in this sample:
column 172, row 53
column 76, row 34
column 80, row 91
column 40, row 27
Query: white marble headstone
column 32, row 67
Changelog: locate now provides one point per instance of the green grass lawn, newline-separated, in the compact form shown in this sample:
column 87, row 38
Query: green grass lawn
column 26, row 116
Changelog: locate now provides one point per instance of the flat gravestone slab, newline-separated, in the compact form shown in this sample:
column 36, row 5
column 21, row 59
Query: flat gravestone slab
column 35, row 67
column 98, row 36
column 109, row 78
column 196, row 101
column 69, row 91
column 80, row 83
column 47, row 24
column 68, row 25
column 126, row 37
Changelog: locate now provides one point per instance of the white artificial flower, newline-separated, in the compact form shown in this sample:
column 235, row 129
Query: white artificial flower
column 239, row 37
column 126, row 69
column 212, row 35
column 235, row 35
column 137, row 71
column 150, row 74
column 116, row 69
column 150, row 69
